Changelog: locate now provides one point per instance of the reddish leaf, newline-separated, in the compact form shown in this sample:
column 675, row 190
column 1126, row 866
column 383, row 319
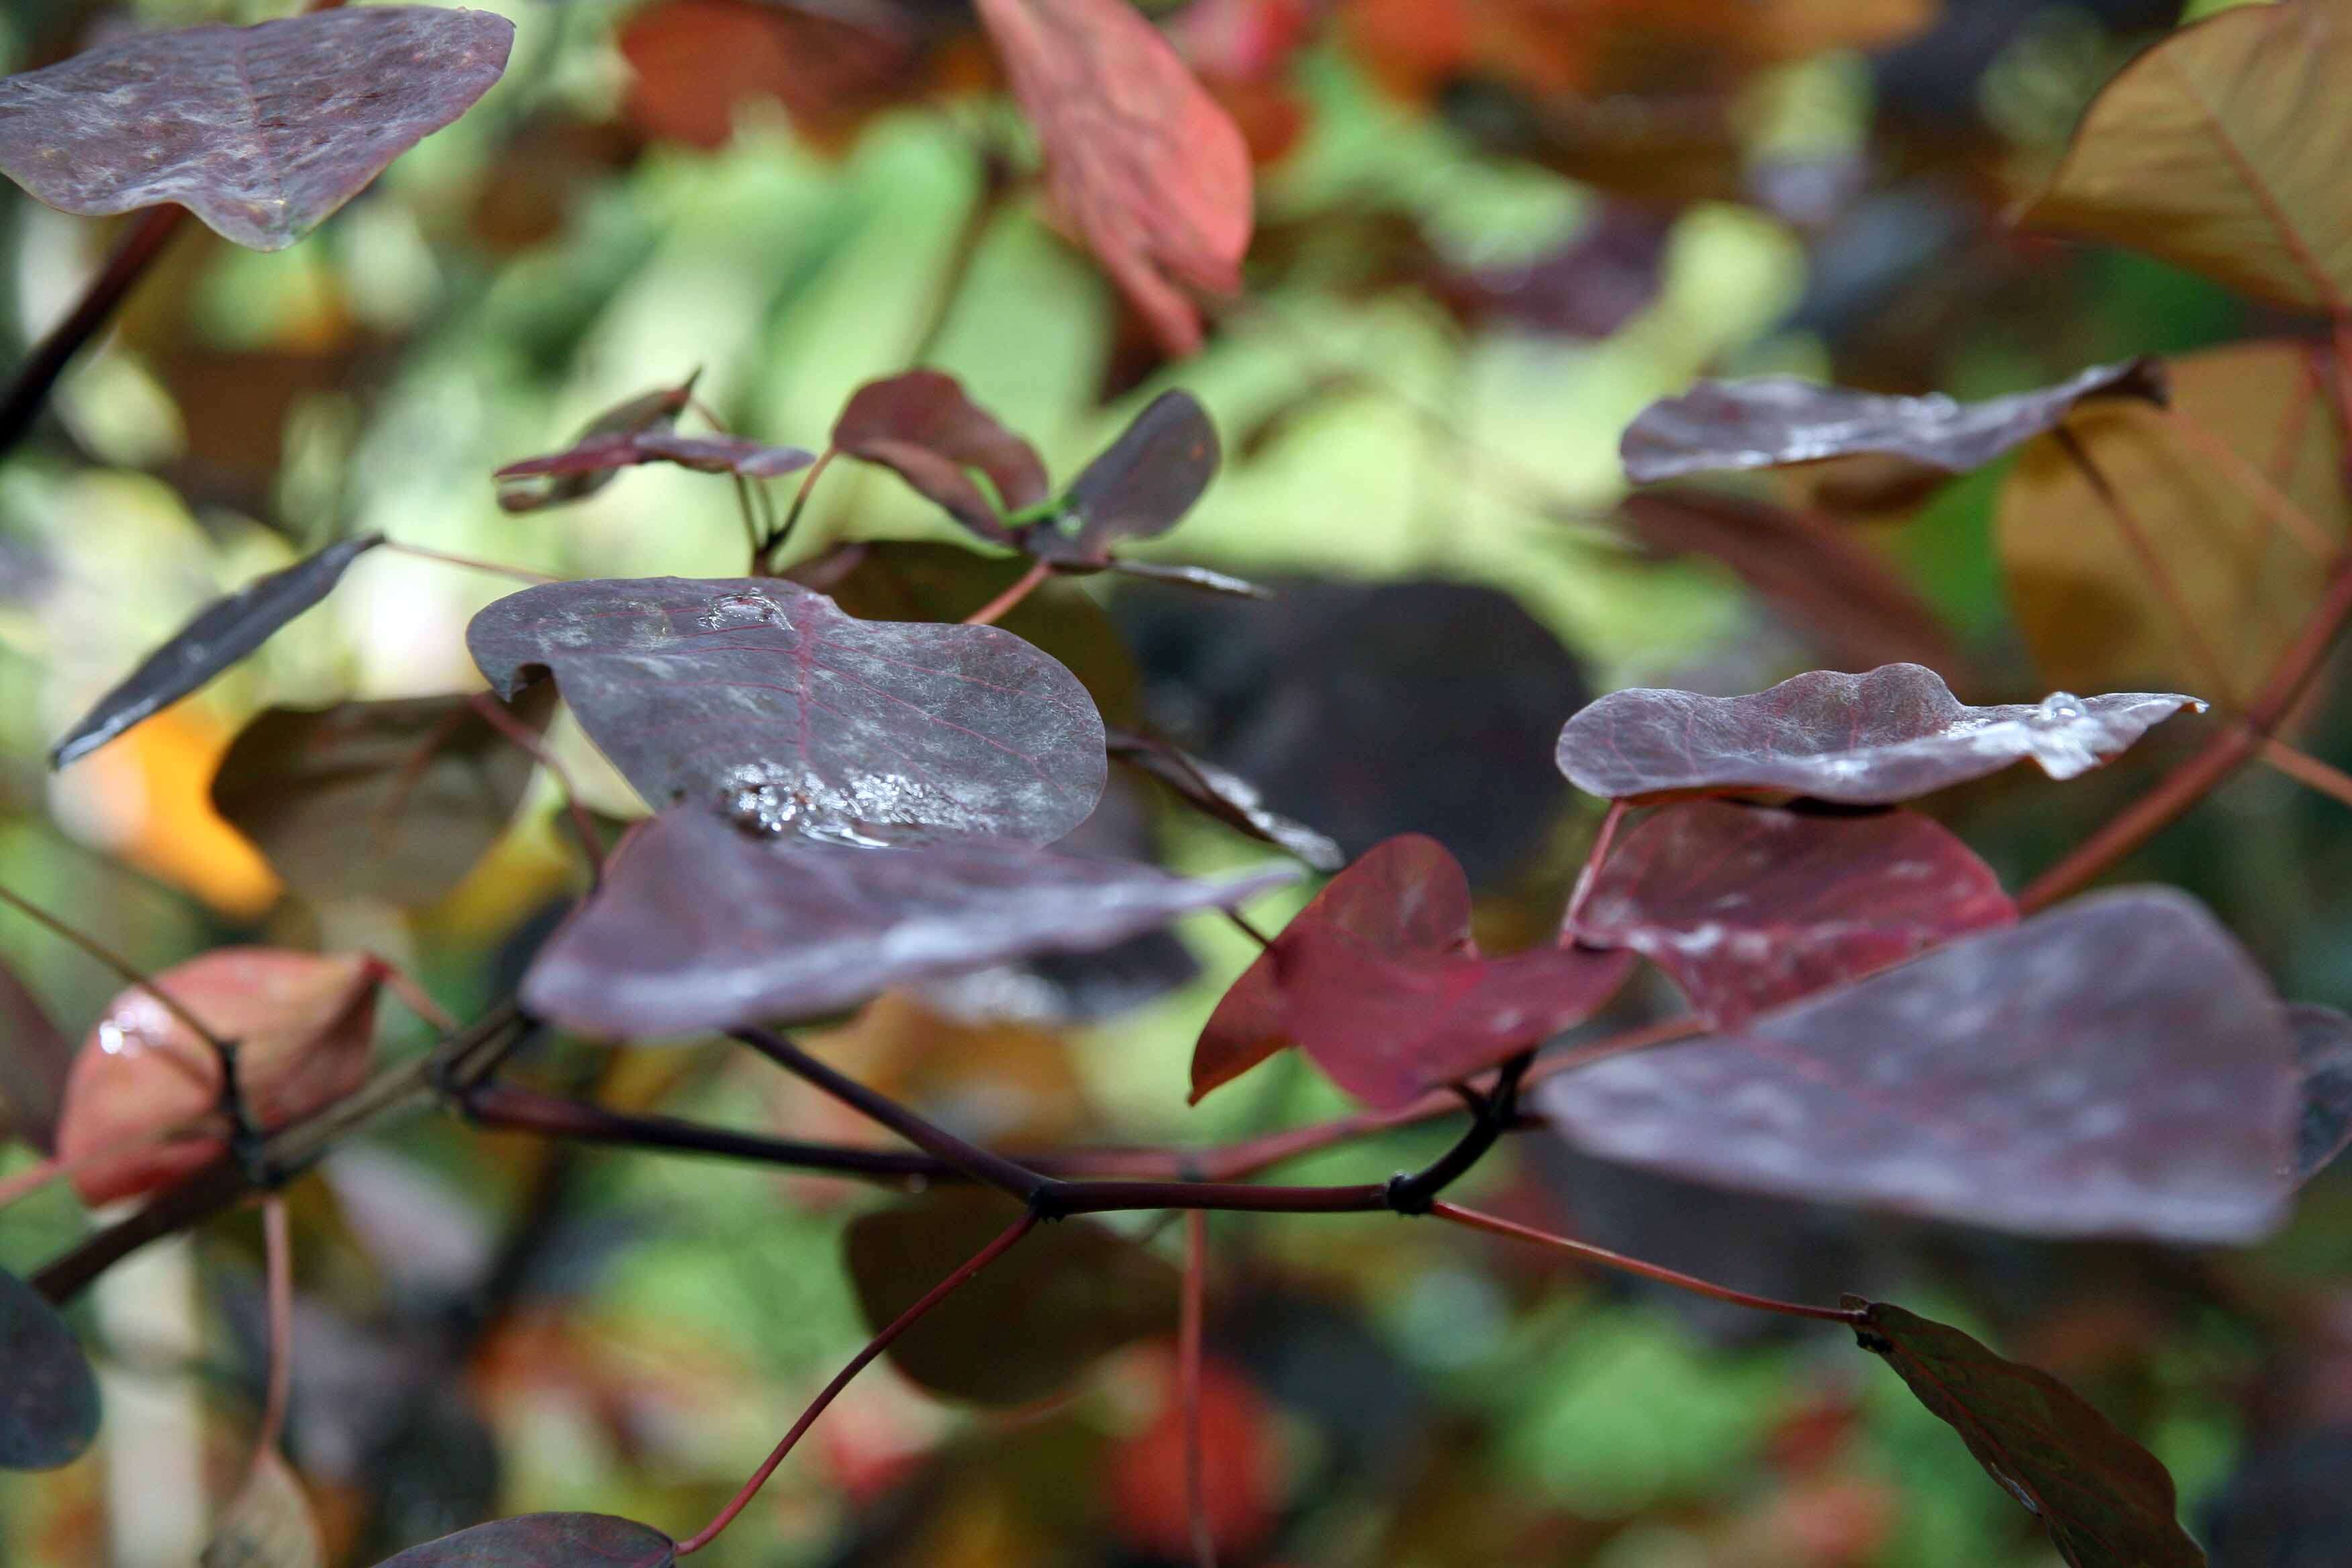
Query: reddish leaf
column 1143, row 164
column 1069, row 1294
column 2117, row 1066
column 1240, row 1470
column 48, row 1397
column 604, row 446
column 694, row 64
column 757, row 698
column 1749, row 908
column 545, row 1540
column 699, row 926
column 34, row 1061
column 393, row 800
column 921, row 426
column 1405, row 896
column 1779, row 419
column 1890, row 735
column 1140, row 486
column 601, row 454
column 2323, row 1048
column 261, row 131
column 2106, row 1500
column 1226, row 796
column 303, row 1025
column 223, row 632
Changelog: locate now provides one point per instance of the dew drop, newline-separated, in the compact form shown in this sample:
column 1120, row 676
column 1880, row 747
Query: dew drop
column 744, row 610
column 2059, row 708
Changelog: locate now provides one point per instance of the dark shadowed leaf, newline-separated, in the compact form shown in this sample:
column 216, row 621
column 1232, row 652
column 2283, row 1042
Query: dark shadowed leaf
column 34, row 1060
column 2323, row 1048
column 393, row 800
column 604, row 446
column 222, row 632
column 1749, row 908
column 1227, row 797
column 1405, row 897
column 1778, row 419
column 2114, row 1066
column 545, row 1540
column 700, row 926
column 2106, row 1500
column 1602, row 278
column 2222, row 149
column 757, row 698
column 261, row 131
column 1039, row 1315
column 269, row 1523
column 921, row 426
column 1143, row 163
column 48, row 1397
column 1890, row 735
column 600, row 455
column 1295, row 697
column 1140, row 486
column 1390, row 1027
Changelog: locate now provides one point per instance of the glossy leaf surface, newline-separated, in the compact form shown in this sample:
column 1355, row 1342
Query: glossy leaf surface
column 48, row 1396
column 2117, row 1066
column 2222, row 149
column 1891, row 736
column 1141, row 486
column 1779, row 419
column 35, row 1057
column 222, row 632
column 604, row 446
column 545, row 1540
column 1749, row 908
column 1226, row 796
column 2322, row 1050
column 395, row 800
column 2106, row 1500
column 759, row 698
column 922, row 426
column 1066, row 1295
column 700, row 926
column 261, row 131
column 1147, row 169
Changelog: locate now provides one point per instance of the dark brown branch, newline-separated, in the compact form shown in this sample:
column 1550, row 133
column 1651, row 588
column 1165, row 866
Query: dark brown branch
column 29, row 393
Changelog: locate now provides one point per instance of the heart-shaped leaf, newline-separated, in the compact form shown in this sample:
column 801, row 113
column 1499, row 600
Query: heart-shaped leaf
column 261, row 131
column 1405, row 896
column 1141, row 486
column 269, row 1524
column 606, row 444
column 1069, row 1294
column 700, row 926
column 1778, row 419
column 303, row 1025
column 2323, row 1049
column 1749, row 908
column 922, row 426
column 1146, row 167
column 546, row 1540
column 762, row 699
column 48, row 1396
column 1890, row 735
column 223, row 632
column 35, row 1057
column 2106, row 1500
column 393, row 800
column 2117, row 1066
column 2222, row 149
column 1227, row 797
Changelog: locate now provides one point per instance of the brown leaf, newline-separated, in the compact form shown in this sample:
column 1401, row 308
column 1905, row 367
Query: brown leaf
column 1141, row 161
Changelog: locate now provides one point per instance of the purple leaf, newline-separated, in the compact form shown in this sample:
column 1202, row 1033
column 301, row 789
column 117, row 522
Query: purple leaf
column 545, row 1540
column 34, row 1061
column 1749, row 908
column 758, row 697
column 48, row 1397
column 1598, row 280
column 393, row 800
column 223, row 632
column 2323, row 1048
column 1890, row 735
column 2117, row 1066
column 1141, row 486
column 921, row 426
column 1226, row 796
column 1205, row 579
column 604, row 446
column 1779, row 419
column 601, row 454
column 700, row 926
column 261, row 131
column 2106, row 1500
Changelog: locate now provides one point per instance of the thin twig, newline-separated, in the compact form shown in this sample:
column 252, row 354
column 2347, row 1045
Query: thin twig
column 1004, row 604
column 124, row 970
column 764, row 557
column 494, row 713
column 29, row 393
column 519, row 573
column 1597, row 857
column 2308, row 770
column 1190, row 1310
column 277, row 1262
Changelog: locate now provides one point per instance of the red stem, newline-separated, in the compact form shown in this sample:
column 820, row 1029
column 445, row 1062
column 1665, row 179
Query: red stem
column 765, row 556
column 874, row 1347
column 278, row 1258
column 495, row 714
column 1594, row 860
column 1190, row 1311
column 29, row 393
column 1004, row 604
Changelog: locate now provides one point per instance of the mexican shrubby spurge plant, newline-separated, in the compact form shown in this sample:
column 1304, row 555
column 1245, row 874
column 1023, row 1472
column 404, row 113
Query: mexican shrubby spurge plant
column 860, row 782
